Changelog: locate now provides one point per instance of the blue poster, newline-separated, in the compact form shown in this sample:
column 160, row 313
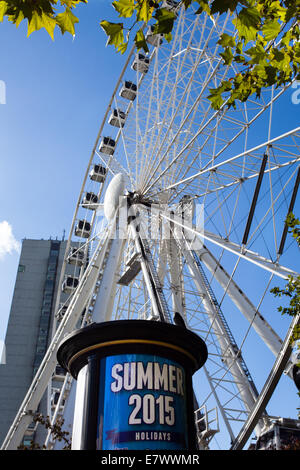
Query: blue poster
column 142, row 403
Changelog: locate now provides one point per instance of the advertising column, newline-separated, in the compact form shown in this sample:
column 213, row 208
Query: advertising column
column 138, row 393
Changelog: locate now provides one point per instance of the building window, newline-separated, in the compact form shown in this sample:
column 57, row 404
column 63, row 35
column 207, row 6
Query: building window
column 49, row 284
column 27, row 441
column 21, row 268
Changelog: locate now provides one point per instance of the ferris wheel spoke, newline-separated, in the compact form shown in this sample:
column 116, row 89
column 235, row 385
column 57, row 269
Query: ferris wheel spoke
column 249, row 171
column 254, row 258
column 187, row 86
column 271, row 210
column 235, row 249
column 179, row 108
column 202, row 129
column 159, row 103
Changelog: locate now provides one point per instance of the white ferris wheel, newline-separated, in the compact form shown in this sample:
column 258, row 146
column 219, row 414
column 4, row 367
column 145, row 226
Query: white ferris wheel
column 210, row 191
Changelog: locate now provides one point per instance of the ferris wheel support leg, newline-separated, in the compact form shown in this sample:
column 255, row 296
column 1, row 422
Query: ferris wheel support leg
column 149, row 285
column 246, row 388
column 103, row 307
column 102, row 312
column 268, row 388
column 223, row 414
column 175, row 277
column 265, row 331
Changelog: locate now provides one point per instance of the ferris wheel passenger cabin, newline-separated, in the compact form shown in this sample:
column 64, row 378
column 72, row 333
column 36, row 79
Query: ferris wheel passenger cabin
column 76, row 257
column 90, row 201
column 83, row 229
column 107, row 146
column 98, row 173
column 128, row 90
column 153, row 39
column 141, row 63
column 117, row 118
column 70, row 284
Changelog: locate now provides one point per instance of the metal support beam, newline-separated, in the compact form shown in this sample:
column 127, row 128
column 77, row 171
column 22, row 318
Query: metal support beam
column 291, row 208
column 254, row 200
column 103, row 307
column 147, row 276
column 230, row 352
column 39, row 384
column 268, row 388
column 242, row 302
column 255, row 258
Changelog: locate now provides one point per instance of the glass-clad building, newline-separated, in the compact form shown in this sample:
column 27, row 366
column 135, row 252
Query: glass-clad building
column 30, row 323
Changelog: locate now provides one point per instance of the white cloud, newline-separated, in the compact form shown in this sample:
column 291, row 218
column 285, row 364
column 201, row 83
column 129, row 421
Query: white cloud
column 8, row 243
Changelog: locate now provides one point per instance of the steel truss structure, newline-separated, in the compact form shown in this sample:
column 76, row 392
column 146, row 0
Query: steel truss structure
column 209, row 193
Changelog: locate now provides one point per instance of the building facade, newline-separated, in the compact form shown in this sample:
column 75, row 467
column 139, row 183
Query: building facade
column 30, row 323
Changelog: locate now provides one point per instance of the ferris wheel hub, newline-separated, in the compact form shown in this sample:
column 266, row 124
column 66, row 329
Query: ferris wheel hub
column 114, row 195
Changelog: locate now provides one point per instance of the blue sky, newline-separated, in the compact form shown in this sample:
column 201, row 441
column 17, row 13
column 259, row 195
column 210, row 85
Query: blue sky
column 56, row 96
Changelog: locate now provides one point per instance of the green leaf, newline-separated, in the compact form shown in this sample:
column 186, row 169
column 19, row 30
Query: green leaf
column 291, row 11
column 284, row 65
column 245, row 32
column 71, row 3
column 35, row 23
column 19, row 18
column 165, row 21
column 287, row 38
column 215, row 98
column 271, row 29
column 66, row 21
column 125, row 8
column 140, row 41
column 271, row 74
column 3, row 9
column 227, row 56
column 278, row 55
column 49, row 24
column 249, row 17
column 203, row 7
column 257, row 54
column 221, row 6
column 122, row 47
column 247, row 23
column 168, row 37
column 144, row 11
column 114, row 32
column 226, row 40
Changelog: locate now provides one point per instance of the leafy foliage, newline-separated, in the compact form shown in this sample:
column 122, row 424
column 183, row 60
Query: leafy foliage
column 55, row 429
column 266, row 43
column 292, row 288
column 292, row 292
column 41, row 14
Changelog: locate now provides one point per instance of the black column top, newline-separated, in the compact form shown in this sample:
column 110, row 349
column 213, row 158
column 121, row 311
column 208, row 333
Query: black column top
column 124, row 336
